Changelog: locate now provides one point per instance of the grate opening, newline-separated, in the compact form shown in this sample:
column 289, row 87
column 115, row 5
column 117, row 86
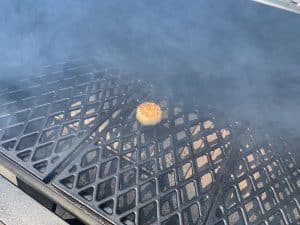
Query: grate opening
column 230, row 198
column 90, row 158
column 236, row 218
column 168, row 203
column 188, row 192
column 25, row 155
column 147, row 191
column 277, row 219
column 253, row 210
column 68, row 181
column 34, row 125
column 9, row 145
column 55, row 119
column 173, row 220
column 65, row 144
column 12, row 132
column 108, row 168
column 106, row 189
column 205, row 181
column 129, row 219
column 167, row 181
column 42, row 152
column 147, row 170
column 148, row 213
column 27, row 142
column 86, row 177
column 41, row 167
column 191, row 215
column 126, row 201
column 127, row 179
column 49, row 135
column 87, row 193
column 107, row 207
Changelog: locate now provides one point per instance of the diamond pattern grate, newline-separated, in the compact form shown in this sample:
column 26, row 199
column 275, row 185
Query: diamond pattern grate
column 138, row 175
column 75, row 129
column 262, row 187
column 45, row 117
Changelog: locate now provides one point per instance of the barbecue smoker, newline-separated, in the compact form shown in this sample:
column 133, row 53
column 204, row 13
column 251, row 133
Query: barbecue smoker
column 72, row 140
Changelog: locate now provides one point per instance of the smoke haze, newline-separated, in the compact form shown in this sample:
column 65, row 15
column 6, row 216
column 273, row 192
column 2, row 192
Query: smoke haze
column 237, row 55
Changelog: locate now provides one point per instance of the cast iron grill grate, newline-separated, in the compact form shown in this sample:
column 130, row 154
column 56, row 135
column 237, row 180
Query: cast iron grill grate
column 137, row 175
column 261, row 186
column 45, row 117
column 75, row 129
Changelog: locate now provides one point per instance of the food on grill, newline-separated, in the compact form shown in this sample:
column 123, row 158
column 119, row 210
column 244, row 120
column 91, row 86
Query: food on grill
column 148, row 113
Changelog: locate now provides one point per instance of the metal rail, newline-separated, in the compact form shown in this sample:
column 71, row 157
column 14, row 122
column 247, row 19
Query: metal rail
column 28, row 212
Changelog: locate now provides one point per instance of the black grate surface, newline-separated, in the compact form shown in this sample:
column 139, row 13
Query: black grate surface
column 74, row 127
column 261, row 186
column 45, row 117
column 138, row 175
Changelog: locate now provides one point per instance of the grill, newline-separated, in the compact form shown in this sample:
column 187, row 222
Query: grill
column 73, row 128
